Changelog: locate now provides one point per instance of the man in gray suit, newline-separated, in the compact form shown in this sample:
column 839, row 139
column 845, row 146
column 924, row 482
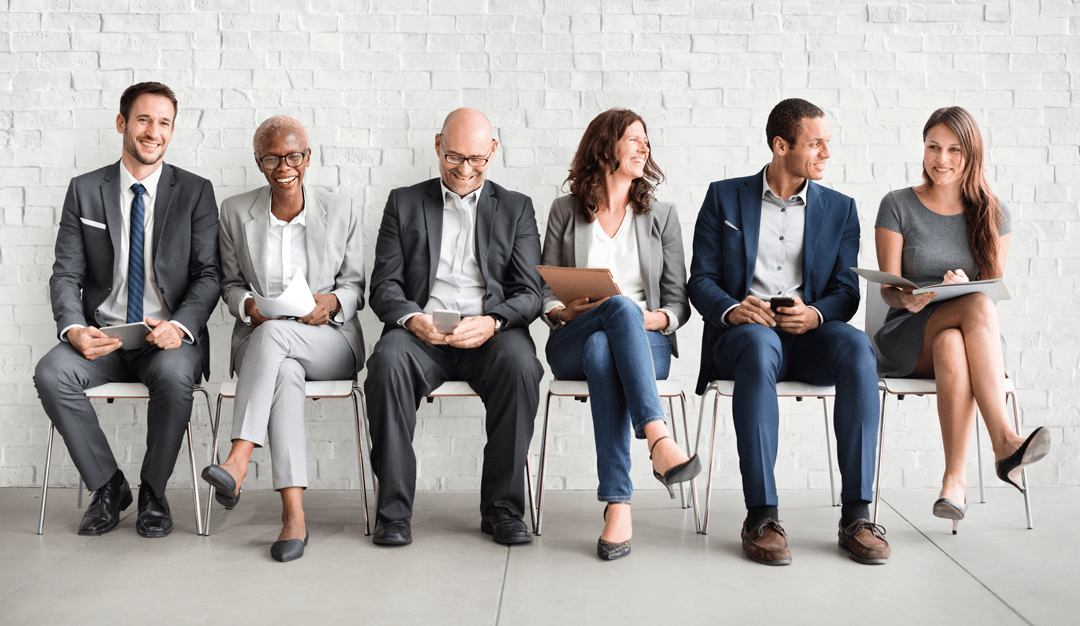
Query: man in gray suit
column 137, row 242
column 458, row 243
column 271, row 236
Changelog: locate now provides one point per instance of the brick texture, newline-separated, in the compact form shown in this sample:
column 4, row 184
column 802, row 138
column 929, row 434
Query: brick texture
column 372, row 80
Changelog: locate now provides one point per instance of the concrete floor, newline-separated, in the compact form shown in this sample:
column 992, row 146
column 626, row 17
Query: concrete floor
column 994, row 571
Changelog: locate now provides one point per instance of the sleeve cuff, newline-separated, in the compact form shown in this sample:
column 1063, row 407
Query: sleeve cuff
column 406, row 318
column 551, row 306
column 63, row 333
column 189, row 338
column 723, row 318
column 820, row 317
column 244, row 317
column 672, row 322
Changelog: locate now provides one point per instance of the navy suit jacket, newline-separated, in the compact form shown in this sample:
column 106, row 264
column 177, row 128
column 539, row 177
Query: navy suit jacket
column 725, row 254
column 408, row 247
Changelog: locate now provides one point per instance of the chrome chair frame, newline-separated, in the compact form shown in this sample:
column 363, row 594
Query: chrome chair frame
column 784, row 389
column 453, row 389
column 313, row 390
column 579, row 390
column 110, row 392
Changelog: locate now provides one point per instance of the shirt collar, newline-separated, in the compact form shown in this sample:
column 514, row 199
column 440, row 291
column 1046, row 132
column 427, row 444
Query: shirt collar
column 150, row 183
column 470, row 199
column 765, row 187
column 299, row 220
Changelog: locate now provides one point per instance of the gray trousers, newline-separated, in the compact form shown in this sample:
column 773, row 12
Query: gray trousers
column 272, row 365
column 64, row 373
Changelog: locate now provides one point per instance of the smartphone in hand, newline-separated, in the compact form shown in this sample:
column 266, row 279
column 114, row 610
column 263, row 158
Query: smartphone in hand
column 775, row 302
column 445, row 321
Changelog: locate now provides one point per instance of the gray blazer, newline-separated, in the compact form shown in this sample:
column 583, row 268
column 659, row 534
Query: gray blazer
column 407, row 253
column 185, row 249
column 663, row 268
column 335, row 257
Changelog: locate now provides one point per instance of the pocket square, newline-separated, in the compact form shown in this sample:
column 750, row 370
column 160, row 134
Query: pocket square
column 727, row 223
column 92, row 223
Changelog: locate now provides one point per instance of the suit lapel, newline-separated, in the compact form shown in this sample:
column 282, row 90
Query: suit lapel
column 815, row 213
column 433, row 214
column 162, row 204
column 485, row 218
column 582, row 239
column 110, row 200
column 643, row 229
column 750, row 214
column 315, row 238
column 255, row 232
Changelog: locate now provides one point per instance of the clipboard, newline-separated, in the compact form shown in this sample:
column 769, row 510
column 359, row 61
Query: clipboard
column 132, row 336
column 992, row 287
column 571, row 283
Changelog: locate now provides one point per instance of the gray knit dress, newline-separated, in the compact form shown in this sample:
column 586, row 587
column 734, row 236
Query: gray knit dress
column 933, row 245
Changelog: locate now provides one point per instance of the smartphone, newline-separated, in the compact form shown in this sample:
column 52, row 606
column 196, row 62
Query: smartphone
column 775, row 302
column 446, row 321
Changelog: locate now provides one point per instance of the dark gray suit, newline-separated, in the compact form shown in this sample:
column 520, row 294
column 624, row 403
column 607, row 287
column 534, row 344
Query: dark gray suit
column 186, row 266
column 504, row 371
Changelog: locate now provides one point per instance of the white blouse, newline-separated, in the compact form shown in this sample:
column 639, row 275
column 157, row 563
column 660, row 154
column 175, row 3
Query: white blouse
column 620, row 255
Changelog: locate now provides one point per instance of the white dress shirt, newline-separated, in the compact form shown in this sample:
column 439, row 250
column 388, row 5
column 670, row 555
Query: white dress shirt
column 113, row 310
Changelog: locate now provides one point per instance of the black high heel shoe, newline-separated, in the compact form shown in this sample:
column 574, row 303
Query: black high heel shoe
column 678, row 474
column 1033, row 449
column 610, row 551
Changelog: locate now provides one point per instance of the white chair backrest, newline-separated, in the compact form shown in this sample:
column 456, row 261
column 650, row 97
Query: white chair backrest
column 876, row 309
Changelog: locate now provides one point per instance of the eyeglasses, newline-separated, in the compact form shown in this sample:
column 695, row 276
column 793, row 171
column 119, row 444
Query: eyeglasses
column 271, row 161
column 457, row 159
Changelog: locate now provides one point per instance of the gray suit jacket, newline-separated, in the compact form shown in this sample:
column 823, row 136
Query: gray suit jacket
column 410, row 237
column 185, row 258
column 659, row 238
column 335, row 257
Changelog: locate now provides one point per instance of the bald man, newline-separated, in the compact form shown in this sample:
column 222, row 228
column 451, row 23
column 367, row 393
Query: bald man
column 458, row 243
column 269, row 237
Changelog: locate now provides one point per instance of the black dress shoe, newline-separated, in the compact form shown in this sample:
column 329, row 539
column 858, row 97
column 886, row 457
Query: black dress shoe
column 224, row 485
column 103, row 514
column 394, row 533
column 155, row 519
column 505, row 529
column 288, row 550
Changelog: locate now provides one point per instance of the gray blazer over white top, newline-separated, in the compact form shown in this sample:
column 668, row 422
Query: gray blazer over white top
column 660, row 245
column 335, row 257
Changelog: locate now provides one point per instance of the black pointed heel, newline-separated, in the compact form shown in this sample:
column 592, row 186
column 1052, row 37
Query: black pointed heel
column 1034, row 448
column 678, row 474
column 608, row 550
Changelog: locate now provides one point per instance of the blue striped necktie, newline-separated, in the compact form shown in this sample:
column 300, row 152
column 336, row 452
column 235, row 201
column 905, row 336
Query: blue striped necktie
column 135, row 258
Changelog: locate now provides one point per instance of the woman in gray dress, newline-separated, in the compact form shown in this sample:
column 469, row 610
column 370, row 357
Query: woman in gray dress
column 947, row 230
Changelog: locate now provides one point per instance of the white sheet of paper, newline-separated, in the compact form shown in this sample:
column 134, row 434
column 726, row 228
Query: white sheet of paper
column 295, row 301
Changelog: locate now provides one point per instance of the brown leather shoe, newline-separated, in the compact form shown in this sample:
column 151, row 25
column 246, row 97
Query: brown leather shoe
column 865, row 542
column 766, row 543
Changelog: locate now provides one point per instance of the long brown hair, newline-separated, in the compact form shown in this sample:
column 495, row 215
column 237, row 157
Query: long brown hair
column 595, row 159
column 982, row 209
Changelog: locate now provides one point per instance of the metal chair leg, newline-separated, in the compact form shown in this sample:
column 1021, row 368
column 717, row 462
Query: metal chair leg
column 704, row 526
column 1023, row 472
column 45, row 483
column 979, row 456
column 675, row 438
column 828, row 451
column 214, row 460
column 194, row 480
column 540, row 486
column 357, row 393
column 529, row 484
column 693, row 487
column 880, row 450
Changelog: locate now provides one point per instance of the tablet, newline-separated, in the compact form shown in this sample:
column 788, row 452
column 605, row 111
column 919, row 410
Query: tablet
column 571, row 283
column 132, row 336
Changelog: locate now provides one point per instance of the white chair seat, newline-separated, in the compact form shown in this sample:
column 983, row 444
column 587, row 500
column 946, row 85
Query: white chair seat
column 784, row 389
column 923, row 386
column 312, row 389
column 452, row 388
column 118, row 390
column 580, row 388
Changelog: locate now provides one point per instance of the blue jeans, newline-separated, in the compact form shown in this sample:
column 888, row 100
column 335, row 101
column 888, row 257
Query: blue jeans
column 622, row 374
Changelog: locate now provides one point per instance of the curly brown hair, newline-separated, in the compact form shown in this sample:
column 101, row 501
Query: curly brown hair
column 982, row 209
column 595, row 159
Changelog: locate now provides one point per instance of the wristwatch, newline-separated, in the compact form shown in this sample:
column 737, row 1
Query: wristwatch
column 500, row 322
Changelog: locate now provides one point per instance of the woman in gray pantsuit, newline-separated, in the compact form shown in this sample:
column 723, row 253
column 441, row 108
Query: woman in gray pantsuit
column 268, row 236
column 951, row 229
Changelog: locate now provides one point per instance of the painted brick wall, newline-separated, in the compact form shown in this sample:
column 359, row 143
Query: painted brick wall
column 372, row 80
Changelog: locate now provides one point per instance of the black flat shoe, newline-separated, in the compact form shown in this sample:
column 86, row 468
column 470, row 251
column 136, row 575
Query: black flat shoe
column 678, row 474
column 103, row 514
column 1033, row 449
column 505, row 529
column 224, row 485
column 947, row 509
column 394, row 533
column 288, row 550
column 610, row 551
column 155, row 518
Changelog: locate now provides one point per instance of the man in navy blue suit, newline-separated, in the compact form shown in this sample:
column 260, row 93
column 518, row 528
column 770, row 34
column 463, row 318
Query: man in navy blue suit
column 778, row 234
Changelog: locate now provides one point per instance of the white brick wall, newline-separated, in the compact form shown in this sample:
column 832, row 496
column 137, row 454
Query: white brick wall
column 372, row 80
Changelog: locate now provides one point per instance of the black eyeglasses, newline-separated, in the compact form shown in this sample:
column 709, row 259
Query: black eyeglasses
column 457, row 159
column 271, row 161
